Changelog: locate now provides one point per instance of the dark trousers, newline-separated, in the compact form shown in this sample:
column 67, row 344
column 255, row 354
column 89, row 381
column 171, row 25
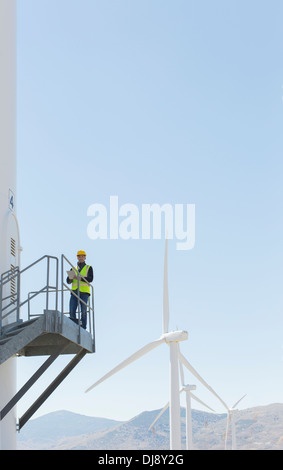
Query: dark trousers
column 74, row 304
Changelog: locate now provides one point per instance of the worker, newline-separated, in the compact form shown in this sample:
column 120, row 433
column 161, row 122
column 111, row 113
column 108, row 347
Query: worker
column 87, row 272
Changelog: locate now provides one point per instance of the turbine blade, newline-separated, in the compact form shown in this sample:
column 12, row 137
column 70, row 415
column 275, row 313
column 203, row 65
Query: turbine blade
column 201, row 402
column 141, row 352
column 195, row 373
column 159, row 414
column 165, row 293
column 238, row 401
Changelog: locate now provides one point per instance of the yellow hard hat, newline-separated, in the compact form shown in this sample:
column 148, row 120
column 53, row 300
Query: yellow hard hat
column 81, row 252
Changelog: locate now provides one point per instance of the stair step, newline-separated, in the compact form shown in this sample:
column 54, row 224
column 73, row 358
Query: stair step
column 14, row 329
column 11, row 326
column 12, row 333
column 26, row 323
column 4, row 340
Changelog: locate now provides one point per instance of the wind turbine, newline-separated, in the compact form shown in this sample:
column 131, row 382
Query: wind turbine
column 231, row 420
column 189, row 395
column 172, row 339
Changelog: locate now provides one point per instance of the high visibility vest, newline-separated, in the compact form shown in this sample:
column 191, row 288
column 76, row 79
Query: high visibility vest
column 84, row 287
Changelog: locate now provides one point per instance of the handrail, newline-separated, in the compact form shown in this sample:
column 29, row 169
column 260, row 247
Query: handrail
column 13, row 273
column 31, row 295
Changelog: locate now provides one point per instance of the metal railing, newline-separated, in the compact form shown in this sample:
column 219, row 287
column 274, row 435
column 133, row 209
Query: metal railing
column 12, row 299
column 10, row 303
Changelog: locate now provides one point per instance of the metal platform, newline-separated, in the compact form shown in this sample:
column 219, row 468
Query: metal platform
column 43, row 335
column 50, row 333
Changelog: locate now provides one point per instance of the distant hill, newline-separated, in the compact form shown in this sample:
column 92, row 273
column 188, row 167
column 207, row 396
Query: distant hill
column 46, row 431
column 257, row 428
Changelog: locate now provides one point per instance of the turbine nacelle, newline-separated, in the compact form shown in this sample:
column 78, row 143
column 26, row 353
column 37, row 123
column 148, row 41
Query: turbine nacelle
column 175, row 336
column 188, row 388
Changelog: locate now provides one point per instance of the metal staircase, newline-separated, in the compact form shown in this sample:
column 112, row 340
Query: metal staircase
column 48, row 333
column 10, row 335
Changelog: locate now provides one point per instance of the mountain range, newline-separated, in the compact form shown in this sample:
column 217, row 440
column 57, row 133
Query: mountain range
column 259, row 428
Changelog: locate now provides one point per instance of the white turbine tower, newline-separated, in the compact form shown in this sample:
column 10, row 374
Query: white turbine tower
column 9, row 233
column 172, row 339
column 231, row 422
column 189, row 395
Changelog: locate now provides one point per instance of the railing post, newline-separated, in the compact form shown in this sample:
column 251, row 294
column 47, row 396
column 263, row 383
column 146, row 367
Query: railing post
column 93, row 319
column 79, row 307
column 62, row 290
column 56, row 296
column 29, row 306
column 47, row 284
column 88, row 314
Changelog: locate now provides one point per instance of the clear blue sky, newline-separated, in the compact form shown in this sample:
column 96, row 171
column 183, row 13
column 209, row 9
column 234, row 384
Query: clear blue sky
column 159, row 102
